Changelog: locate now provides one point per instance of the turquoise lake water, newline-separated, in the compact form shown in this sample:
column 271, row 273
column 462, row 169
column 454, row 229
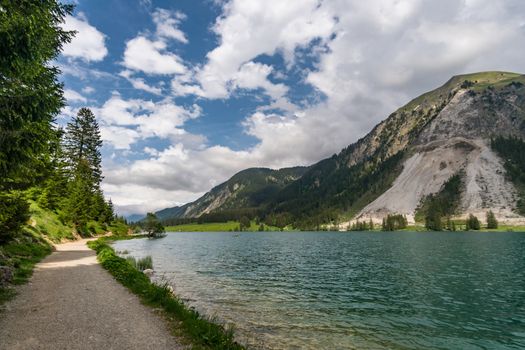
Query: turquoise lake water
column 321, row 290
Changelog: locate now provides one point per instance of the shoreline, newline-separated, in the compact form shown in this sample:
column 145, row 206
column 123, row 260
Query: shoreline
column 197, row 329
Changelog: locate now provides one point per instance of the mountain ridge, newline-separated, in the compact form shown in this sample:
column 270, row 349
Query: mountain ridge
column 451, row 125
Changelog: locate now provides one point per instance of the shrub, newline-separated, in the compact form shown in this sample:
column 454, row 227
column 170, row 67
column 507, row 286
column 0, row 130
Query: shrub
column 492, row 222
column 394, row 222
column 472, row 223
column 141, row 264
column 14, row 212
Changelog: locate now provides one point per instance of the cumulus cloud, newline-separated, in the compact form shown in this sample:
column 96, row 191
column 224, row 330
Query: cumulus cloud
column 88, row 44
column 124, row 122
column 73, row 96
column 139, row 83
column 167, row 23
column 151, row 57
column 248, row 29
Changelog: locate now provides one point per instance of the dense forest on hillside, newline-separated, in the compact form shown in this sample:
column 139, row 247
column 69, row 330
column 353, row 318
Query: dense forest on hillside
column 50, row 174
column 330, row 188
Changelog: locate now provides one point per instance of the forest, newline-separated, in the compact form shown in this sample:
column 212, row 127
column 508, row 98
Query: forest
column 42, row 165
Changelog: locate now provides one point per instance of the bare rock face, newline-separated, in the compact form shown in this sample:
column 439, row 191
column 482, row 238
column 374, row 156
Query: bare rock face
column 458, row 139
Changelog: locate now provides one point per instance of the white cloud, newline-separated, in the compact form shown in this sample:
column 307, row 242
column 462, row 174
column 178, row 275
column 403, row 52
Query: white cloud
column 248, row 29
column 88, row 43
column 88, row 90
column 73, row 96
column 151, row 57
column 167, row 23
column 124, row 122
column 255, row 75
column 139, row 83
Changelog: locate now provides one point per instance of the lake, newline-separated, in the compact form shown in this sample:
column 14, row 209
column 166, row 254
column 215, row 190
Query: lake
column 355, row 290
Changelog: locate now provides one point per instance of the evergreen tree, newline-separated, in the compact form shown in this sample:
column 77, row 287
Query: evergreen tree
column 31, row 36
column 53, row 188
column 78, row 206
column 244, row 223
column 83, row 141
column 153, row 227
column 492, row 222
column 394, row 222
column 472, row 223
column 433, row 221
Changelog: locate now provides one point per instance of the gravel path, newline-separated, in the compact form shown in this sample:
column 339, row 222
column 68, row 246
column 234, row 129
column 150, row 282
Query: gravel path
column 71, row 302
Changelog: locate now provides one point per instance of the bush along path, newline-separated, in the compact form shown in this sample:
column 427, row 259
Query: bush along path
column 199, row 331
column 70, row 302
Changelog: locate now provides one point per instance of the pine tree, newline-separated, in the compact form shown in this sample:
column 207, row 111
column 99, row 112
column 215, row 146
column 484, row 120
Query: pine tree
column 81, row 148
column 492, row 222
column 83, row 141
column 79, row 203
column 472, row 223
column 31, row 37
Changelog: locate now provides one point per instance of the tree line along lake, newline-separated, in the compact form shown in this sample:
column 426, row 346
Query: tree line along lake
column 352, row 290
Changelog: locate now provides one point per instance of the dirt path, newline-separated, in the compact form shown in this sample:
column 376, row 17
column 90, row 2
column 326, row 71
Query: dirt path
column 71, row 302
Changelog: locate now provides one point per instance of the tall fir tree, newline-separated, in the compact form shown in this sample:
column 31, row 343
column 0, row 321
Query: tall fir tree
column 81, row 146
column 79, row 203
column 83, row 142
column 31, row 36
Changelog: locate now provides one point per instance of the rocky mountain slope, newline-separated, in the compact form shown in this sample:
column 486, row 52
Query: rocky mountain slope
column 405, row 158
column 248, row 189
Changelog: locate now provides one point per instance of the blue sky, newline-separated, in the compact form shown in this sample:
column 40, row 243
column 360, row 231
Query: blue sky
column 187, row 93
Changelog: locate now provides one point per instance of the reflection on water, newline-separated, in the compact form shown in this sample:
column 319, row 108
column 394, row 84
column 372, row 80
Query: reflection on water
column 319, row 290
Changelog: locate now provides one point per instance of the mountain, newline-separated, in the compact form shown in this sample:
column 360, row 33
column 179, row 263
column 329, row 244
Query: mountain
column 246, row 190
column 438, row 148
column 412, row 154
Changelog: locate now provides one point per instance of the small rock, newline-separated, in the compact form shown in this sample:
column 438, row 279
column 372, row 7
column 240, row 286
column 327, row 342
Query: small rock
column 6, row 275
column 148, row 272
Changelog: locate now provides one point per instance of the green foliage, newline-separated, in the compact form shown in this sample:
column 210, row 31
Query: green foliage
column 244, row 223
column 49, row 224
column 331, row 187
column 361, row 226
column 20, row 256
column 14, row 213
column 153, row 227
column 472, row 223
column 82, row 143
column 394, row 222
column 512, row 151
column 492, row 222
column 140, row 264
column 202, row 331
column 31, row 37
column 441, row 205
column 205, row 227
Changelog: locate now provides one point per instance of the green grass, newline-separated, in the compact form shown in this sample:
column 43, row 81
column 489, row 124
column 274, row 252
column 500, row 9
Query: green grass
column 48, row 224
column 216, row 227
column 140, row 264
column 21, row 255
column 202, row 332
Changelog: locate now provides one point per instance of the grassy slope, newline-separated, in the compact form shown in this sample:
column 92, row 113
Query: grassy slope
column 31, row 246
column 202, row 332
column 35, row 243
